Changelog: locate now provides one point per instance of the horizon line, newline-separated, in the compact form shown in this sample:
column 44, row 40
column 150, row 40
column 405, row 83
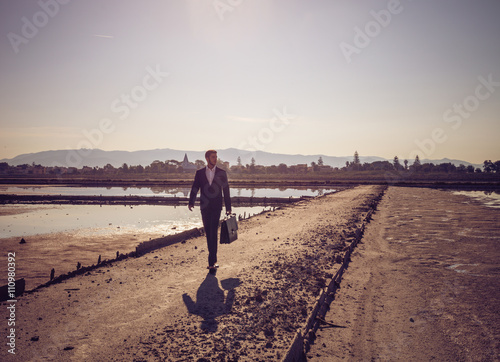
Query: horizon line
column 230, row 148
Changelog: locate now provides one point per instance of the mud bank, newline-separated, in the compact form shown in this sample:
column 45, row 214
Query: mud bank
column 423, row 285
column 166, row 306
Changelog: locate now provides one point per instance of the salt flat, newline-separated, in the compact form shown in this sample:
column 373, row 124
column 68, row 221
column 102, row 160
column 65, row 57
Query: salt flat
column 424, row 284
column 164, row 305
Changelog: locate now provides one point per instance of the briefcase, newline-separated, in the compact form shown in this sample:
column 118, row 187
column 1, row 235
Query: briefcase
column 228, row 230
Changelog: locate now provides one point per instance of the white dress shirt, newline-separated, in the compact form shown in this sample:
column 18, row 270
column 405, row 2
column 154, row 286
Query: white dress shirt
column 210, row 174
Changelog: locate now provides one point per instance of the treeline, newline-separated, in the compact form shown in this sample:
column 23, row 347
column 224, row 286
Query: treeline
column 175, row 167
column 169, row 166
column 418, row 167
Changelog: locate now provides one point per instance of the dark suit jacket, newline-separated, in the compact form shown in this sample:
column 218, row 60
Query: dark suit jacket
column 211, row 195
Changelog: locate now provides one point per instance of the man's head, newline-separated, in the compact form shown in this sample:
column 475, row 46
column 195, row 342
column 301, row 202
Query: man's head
column 211, row 157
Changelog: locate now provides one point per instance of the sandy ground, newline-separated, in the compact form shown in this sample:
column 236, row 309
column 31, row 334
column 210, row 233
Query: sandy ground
column 424, row 284
column 41, row 253
column 165, row 306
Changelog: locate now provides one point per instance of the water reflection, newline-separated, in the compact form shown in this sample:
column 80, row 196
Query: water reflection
column 155, row 191
column 91, row 220
column 487, row 198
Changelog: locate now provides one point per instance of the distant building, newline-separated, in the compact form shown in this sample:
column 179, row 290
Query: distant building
column 22, row 169
column 38, row 170
column 186, row 165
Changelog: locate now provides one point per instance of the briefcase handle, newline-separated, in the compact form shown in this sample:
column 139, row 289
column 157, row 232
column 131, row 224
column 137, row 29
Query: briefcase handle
column 227, row 216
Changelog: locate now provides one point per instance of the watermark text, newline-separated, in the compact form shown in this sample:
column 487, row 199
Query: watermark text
column 11, row 303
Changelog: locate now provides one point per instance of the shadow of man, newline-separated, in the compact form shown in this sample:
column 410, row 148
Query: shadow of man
column 210, row 301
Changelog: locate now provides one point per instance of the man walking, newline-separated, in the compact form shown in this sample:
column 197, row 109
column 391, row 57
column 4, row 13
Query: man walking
column 212, row 181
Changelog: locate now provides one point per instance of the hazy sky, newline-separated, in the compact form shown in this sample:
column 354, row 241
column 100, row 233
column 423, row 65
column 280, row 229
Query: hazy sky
column 384, row 78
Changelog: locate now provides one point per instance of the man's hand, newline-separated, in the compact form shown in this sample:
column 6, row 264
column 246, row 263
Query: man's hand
column 190, row 207
column 228, row 212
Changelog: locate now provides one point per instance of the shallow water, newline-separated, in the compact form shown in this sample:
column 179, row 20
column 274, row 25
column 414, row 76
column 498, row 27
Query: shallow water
column 60, row 236
column 93, row 220
column 487, row 198
column 153, row 191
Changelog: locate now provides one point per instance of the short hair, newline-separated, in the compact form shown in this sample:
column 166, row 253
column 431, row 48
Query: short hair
column 209, row 152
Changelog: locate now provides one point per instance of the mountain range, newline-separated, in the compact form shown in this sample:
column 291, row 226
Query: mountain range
column 97, row 157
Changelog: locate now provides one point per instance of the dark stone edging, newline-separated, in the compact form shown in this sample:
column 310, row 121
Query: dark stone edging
column 305, row 336
column 135, row 200
column 7, row 293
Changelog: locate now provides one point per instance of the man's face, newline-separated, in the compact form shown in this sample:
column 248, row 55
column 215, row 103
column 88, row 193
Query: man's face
column 212, row 159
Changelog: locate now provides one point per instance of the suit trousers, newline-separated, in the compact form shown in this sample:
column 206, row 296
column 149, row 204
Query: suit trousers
column 210, row 217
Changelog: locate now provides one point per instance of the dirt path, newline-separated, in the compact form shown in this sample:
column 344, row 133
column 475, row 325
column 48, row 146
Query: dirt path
column 424, row 284
column 164, row 306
